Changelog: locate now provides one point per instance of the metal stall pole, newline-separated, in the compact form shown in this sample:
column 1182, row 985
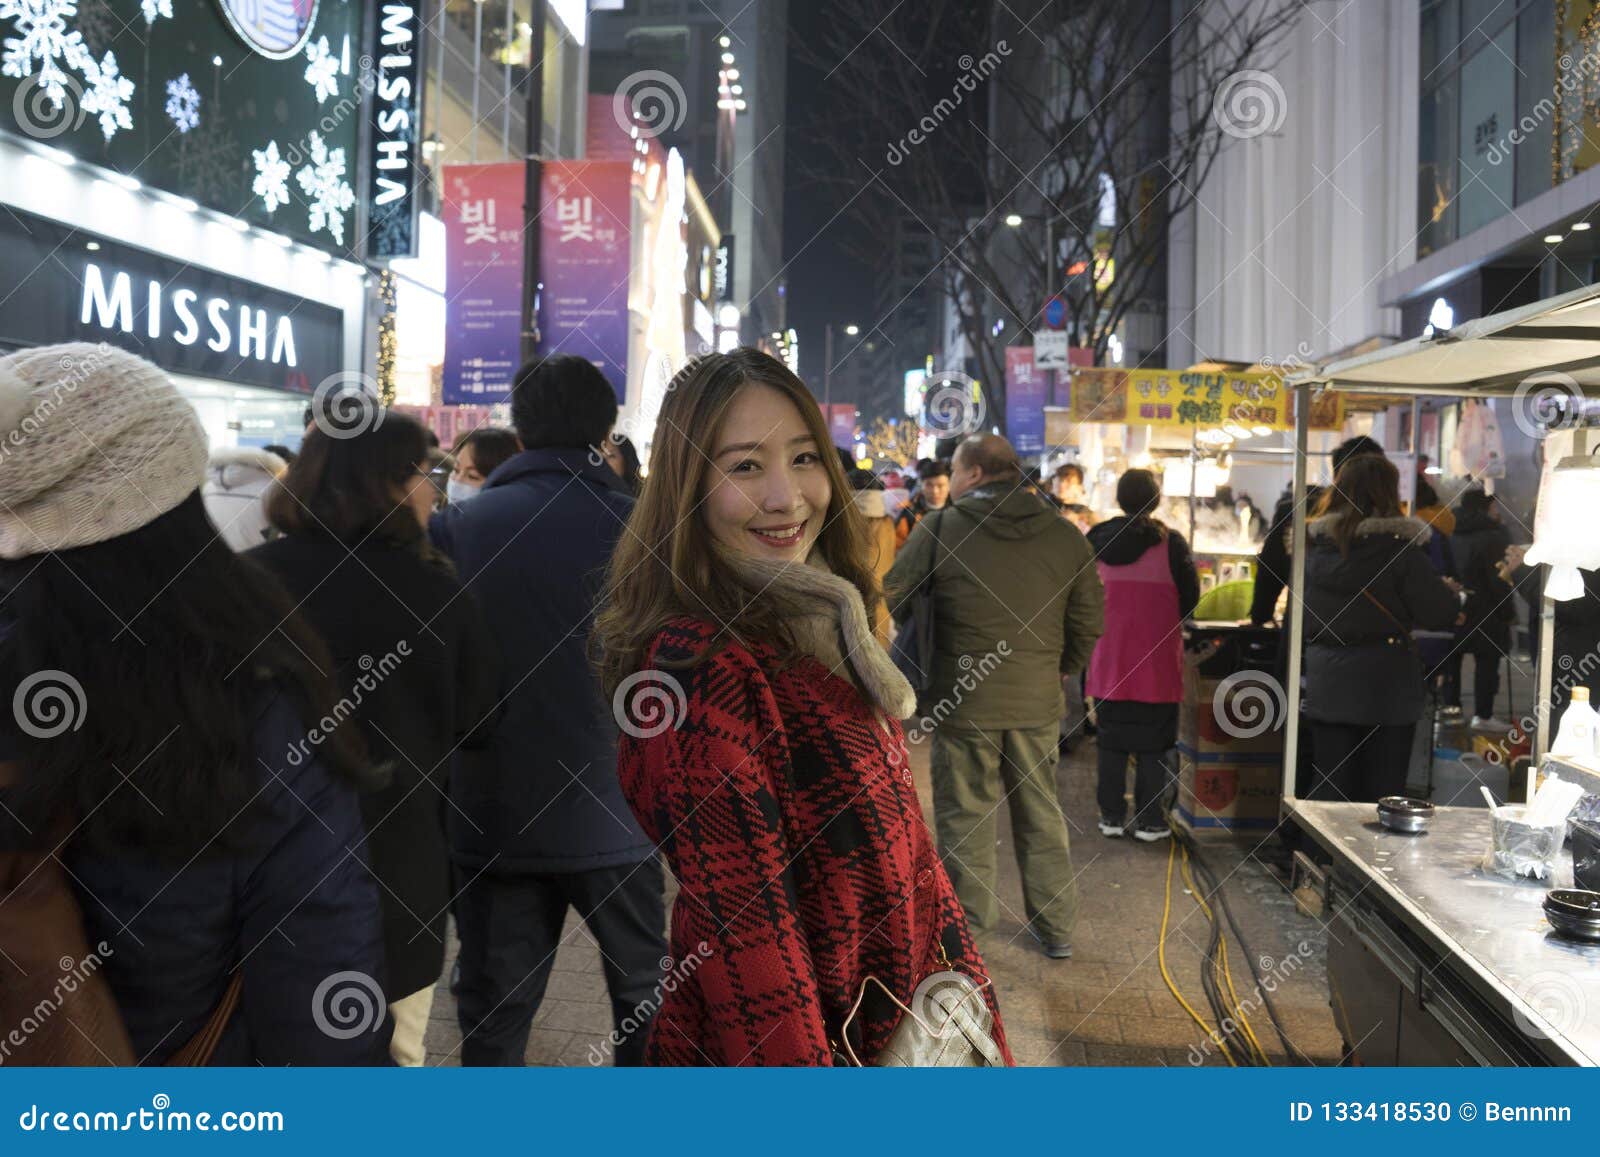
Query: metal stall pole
column 1297, row 583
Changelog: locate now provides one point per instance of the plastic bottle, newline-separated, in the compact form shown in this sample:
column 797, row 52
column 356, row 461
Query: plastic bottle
column 1575, row 738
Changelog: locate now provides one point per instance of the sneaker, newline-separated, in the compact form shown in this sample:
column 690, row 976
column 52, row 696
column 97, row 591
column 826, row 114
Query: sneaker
column 1150, row 835
column 1490, row 723
column 1058, row 951
column 1111, row 831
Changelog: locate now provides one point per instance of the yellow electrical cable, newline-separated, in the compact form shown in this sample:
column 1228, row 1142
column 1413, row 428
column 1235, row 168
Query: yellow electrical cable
column 1161, row 959
column 1236, row 1008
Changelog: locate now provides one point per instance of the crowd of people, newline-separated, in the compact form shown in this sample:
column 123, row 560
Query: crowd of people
column 320, row 704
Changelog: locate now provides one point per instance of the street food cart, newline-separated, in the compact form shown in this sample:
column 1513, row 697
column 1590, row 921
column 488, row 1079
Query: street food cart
column 1432, row 960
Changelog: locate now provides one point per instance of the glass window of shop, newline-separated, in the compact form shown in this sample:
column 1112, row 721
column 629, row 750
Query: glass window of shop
column 1486, row 120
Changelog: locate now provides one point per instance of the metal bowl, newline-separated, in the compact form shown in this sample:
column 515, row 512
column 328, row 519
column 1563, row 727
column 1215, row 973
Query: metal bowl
column 1399, row 813
column 1574, row 913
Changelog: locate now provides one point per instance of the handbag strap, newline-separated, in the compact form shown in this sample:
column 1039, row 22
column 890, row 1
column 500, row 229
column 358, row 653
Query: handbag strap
column 203, row 1045
column 983, row 1045
column 1405, row 631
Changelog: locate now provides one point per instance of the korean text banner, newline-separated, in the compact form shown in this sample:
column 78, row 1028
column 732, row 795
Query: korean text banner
column 1180, row 398
column 1025, row 386
column 483, row 281
column 585, row 257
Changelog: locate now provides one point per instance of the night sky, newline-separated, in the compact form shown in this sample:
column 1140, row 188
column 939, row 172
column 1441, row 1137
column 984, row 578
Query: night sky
column 826, row 283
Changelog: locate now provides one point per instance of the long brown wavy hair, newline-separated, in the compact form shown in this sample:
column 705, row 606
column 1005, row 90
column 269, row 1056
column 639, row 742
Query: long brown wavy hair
column 1367, row 486
column 667, row 564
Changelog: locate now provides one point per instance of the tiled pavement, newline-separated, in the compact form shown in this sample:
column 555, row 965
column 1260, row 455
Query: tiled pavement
column 1108, row 1005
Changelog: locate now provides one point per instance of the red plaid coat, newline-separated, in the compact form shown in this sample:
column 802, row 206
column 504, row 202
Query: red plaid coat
column 786, row 808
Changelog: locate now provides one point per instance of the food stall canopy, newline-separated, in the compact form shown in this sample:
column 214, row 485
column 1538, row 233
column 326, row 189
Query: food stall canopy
column 1487, row 356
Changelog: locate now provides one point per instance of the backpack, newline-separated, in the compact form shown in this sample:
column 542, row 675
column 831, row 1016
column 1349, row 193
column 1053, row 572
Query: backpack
column 54, row 996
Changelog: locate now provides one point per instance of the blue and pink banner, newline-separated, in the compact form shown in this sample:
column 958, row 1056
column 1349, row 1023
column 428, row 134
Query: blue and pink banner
column 585, row 251
column 1025, row 389
column 483, row 281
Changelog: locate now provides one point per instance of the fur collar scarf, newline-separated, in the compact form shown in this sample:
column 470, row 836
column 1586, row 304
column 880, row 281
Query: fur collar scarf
column 1413, row 530
column 831, row 625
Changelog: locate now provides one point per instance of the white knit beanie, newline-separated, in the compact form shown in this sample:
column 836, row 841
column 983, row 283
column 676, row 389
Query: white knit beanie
column 94, row 443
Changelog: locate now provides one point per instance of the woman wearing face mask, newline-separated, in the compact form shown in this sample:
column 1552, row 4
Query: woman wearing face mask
column 778, row 787
column 411, row 660
column 477, row 453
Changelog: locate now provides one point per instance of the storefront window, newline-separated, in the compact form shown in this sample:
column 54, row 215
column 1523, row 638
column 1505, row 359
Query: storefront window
column 1535, row 100
column 1436, row 175
column 1488, row 109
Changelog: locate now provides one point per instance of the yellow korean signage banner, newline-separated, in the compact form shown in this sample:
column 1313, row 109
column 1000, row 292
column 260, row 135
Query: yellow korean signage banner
column 1192, row 399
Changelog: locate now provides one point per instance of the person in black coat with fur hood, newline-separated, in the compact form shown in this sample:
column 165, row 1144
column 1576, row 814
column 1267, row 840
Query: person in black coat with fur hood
column 1369, row 584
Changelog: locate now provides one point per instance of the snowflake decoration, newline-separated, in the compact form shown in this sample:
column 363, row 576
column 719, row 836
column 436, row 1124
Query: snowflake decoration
column 44, row 37
column 322, row 73
column 323, row 182
column 154, row 8
column 183, row 103
column 108, row 94
column 272, row 177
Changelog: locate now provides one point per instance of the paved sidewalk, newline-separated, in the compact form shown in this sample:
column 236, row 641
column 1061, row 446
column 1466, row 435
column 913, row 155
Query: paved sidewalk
column 1108, row 1005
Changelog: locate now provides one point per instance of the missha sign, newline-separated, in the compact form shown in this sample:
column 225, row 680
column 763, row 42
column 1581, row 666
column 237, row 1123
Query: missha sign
column 396, row 101
column 185, row 319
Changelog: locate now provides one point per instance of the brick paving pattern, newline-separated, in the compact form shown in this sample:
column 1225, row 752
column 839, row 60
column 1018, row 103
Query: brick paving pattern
column 1107, row 1005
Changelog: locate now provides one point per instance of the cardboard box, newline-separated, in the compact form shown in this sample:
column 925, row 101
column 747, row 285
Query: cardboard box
column 1228, row 796
column 1248, row 722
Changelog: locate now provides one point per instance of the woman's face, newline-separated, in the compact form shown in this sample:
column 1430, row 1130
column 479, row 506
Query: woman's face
column 767, row 490
column 466, row 469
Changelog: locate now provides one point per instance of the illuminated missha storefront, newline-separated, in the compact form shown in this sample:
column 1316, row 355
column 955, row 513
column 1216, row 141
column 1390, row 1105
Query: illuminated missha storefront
column 180, row 178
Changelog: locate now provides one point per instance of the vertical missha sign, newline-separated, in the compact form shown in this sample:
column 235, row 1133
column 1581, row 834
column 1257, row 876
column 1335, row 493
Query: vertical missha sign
column 483, row 281
column 395, row 164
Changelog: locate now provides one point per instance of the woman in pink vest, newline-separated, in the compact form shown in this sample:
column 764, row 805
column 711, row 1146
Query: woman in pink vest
column 1136, row 674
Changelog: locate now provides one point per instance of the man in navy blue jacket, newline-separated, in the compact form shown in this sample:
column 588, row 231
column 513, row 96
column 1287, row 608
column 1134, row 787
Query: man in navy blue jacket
column 538, row 822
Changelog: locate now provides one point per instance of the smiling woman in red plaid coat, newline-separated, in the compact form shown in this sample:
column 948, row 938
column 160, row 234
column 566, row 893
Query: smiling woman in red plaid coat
column 762, row 748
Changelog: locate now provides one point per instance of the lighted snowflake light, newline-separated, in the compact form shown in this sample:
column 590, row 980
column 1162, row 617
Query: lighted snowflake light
column 323, row 182
column 272, row 177
column 322, row 71
column 154, row 8
column 43, row 36
column 108, row 94
column 183, row 103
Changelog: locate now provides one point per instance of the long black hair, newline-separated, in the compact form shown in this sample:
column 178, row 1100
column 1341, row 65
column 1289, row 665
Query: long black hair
column 163, row 648
column 345, row 487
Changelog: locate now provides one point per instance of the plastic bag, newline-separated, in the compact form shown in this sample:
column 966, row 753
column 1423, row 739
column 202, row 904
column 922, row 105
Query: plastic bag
column 1519, row 849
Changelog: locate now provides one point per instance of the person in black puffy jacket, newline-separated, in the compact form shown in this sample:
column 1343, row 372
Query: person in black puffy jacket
column 1479, row 545
column 1368, row 585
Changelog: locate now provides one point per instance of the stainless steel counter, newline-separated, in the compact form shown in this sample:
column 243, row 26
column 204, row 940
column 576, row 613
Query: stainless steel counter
column 1489, row 932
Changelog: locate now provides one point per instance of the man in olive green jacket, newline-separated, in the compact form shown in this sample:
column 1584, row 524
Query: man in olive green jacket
column 1017, row 605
